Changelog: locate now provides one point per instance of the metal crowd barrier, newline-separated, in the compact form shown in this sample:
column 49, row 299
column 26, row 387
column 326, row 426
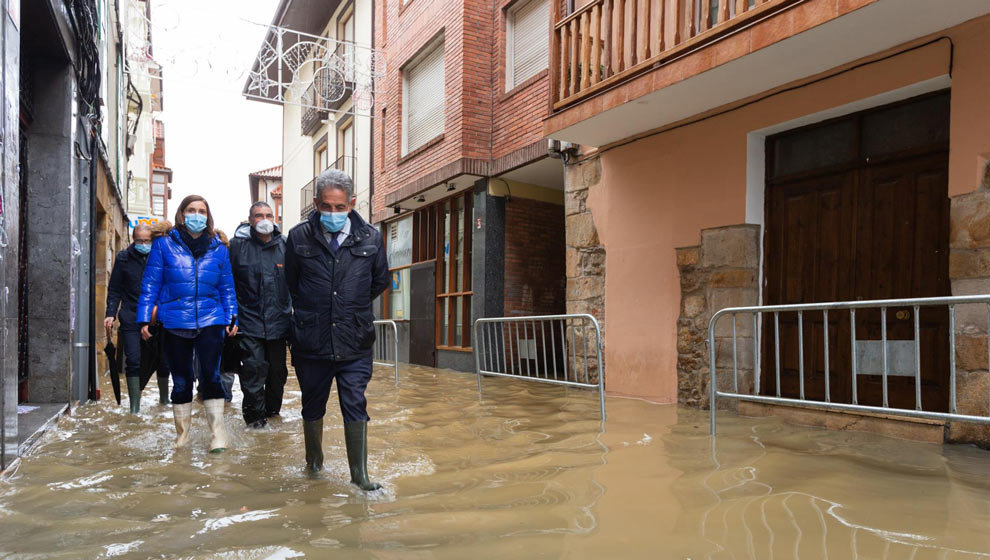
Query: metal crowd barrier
column 386, row 351
column 547, row 348
column 914, row 304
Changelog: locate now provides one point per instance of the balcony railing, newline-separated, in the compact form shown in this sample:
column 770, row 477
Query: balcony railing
column 607, row 42
column 306, row 194
column 313, row 115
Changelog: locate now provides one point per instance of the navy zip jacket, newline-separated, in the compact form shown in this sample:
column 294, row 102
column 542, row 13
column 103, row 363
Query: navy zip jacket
column 332, row 293
column 124, row 287
column 263, row 309
column 191, row 293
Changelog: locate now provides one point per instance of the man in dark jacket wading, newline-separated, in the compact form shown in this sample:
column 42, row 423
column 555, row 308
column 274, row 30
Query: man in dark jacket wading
column 335, row 266
column 257, row 259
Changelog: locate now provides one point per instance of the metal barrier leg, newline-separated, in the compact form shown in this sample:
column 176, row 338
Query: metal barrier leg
column 477, row 358
column 395, row 351
column 712, row 389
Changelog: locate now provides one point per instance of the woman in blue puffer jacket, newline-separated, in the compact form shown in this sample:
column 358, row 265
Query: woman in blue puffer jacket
column 188, row 277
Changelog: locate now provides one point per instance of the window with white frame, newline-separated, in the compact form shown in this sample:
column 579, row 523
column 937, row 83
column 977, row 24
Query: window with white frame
column 423, row 98
column 527, row 37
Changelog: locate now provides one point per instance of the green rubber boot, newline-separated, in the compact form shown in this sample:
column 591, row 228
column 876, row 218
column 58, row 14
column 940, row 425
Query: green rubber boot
column 163, row 389
column 134, row 393
column 356, row 438
column 313, row 432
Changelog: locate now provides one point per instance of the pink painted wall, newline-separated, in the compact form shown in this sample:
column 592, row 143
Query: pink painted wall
column 659, row 192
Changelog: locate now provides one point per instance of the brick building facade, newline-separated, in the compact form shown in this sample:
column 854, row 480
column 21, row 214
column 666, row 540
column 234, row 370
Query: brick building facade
column 486, row 165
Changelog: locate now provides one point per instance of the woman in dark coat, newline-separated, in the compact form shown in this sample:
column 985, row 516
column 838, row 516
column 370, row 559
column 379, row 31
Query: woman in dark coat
column 188, row 277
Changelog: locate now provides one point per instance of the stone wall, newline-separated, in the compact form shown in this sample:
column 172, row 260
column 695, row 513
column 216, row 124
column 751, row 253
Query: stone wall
column 721, row 272
column 969, row 270
column 585, row 254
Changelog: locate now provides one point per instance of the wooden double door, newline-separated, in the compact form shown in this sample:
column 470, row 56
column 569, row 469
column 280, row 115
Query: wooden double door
column 864, row 215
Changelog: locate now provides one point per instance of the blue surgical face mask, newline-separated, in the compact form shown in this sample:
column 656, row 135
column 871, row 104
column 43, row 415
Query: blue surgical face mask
column 333, row 221
column 195, row 222
column 143, row 248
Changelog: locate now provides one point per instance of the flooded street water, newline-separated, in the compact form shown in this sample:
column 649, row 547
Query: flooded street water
column 523, row 472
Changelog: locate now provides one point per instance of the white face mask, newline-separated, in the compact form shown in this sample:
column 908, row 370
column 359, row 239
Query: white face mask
column 264, row 227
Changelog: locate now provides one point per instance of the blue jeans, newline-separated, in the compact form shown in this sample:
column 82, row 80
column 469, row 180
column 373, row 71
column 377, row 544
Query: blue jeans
column 207, row 345
column 316, row 377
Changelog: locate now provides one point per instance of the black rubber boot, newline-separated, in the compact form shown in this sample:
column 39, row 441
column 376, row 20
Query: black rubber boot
column 163, row 389
column 134, row 393
column 356, row 438
column 313, row 432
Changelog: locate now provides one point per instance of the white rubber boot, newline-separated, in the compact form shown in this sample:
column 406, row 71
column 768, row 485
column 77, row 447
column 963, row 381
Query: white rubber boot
column 183, row 420
column 214, row 416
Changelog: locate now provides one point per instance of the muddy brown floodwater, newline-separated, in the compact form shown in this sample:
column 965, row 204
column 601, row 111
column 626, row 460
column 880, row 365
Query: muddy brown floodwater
column 523, row 472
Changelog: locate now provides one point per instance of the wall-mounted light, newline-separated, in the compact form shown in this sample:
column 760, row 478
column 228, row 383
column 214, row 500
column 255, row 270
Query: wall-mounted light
column 421, row 198
column 451, row 187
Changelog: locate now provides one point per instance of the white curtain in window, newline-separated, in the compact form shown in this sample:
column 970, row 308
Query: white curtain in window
column 423, row 99
column 528, row 41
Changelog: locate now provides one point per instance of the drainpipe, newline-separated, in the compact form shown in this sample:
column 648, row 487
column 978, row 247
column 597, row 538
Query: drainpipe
column 91, row 354
column 371, row 134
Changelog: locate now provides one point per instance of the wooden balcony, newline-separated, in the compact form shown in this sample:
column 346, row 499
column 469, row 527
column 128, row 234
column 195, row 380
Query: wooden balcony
column 621, row 68
column 607, row 42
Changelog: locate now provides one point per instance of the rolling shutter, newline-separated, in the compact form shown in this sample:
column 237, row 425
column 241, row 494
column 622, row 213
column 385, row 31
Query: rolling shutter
column 423, row 101
column 529, row 41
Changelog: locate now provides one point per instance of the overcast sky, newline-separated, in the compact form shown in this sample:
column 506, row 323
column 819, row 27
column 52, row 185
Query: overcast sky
column 214, row 136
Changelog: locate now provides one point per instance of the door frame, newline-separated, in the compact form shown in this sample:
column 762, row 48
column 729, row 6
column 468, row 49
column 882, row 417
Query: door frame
column 853, row 173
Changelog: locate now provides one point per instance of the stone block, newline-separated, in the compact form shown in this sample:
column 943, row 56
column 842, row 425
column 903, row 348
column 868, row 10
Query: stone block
column 571, row 261
column 581, row 231
column 689, row 388
column 693, row 305
column 688, row 339
column 688, row 256
column 585, row 287
column 971, row 352
column 969, row 263
column 897, row 427
column 591, row 172
column 970, row 221
column 578, row 307
column 734, row 246
column 971, row 318
column 574, row 202
column 744, row 325
column 733, row 278
column 971, row 287
column 972, row 398
column 592, row 262
column 692, row 279
column 744, row 353
column 722, row 298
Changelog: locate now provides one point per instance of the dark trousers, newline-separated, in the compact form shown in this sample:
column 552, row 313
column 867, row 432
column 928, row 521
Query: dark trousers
column 207, row 346
column 263, row 373
column 316, row 377
column 130, row 339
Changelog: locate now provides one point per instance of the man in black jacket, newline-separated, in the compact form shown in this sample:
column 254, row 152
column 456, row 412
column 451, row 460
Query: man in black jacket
column 257, row 260
column 335, row 266
column 122, row 293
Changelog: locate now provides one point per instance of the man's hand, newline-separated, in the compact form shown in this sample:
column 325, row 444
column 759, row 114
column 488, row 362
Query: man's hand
column 232, row 330
column 146, row 332
column 108, row 323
